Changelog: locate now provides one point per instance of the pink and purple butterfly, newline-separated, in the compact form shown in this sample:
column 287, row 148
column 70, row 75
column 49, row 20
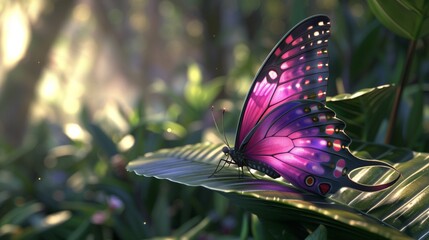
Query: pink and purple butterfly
column 286, row 130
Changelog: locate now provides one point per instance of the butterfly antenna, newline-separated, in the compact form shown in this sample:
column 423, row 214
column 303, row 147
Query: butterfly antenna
column 223, row 127
column 215, row 123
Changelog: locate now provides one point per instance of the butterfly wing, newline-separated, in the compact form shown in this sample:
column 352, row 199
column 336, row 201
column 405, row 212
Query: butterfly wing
column 297, row 68
column 305, row 143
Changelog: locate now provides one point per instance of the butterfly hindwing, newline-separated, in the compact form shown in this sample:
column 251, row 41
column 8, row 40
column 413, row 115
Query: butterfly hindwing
column 297, row 68
column 305, row 143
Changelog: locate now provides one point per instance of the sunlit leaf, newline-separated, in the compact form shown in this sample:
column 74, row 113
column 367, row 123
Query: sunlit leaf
column 349, row 212
column 363, row 111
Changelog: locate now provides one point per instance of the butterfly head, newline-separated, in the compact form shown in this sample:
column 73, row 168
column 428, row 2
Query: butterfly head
column 226, row 150
column 236, row 156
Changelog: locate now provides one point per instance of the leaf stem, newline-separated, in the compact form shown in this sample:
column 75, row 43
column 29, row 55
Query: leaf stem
column 399, row 90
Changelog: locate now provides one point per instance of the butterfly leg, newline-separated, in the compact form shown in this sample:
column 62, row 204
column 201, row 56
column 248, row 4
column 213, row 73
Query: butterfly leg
column 219, row 167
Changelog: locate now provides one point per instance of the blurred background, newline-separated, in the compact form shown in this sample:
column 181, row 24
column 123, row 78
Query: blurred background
column 86, row 86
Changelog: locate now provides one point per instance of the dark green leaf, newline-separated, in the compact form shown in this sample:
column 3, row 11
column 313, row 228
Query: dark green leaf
column 415, row 116
column 319, row 234
column 21, row 214
column 258, row 231
column 407, row 18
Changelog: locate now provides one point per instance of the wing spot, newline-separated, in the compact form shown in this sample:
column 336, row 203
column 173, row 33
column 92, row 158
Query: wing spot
column 337, row 145
column 339, row 168
column 284, row 66
column 310, row 27
column 329, row 143
column 321, row 23
column 315, row 119
column 273, row 75
column 296, row 41
column 324, row 188
column 314, row 107
column 316, row 33
column 289, row 39
column 309, row 181
column 329, row 130
column 307, row 110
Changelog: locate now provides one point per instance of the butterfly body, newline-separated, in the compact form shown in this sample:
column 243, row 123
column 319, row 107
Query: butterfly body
column 240, row 160
column 285, row 129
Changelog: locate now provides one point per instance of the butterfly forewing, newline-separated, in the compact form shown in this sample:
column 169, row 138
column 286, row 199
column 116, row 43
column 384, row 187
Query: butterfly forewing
column 297, row 68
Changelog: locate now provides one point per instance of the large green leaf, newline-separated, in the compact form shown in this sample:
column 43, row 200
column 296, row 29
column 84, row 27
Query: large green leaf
column 363, row 111
column 407, row 18
column 394, row 213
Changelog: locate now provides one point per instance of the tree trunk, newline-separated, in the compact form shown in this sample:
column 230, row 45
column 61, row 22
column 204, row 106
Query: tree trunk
column 18, row 90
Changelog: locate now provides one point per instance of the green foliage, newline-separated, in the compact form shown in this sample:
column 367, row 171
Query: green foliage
column 363, row 111
column 407, row 18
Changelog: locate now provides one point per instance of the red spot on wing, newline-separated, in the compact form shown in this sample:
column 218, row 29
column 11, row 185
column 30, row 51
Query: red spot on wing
column 297, row 41
column 324, row 188
column 289, row 39
column 337, row 145
column 330, row 129
column 339, row 167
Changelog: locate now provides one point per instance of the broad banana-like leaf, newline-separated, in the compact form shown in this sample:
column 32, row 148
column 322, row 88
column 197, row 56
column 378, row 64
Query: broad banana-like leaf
column 396, row 213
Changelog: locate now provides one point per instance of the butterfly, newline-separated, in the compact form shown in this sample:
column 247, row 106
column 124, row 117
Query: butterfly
column 285, row 128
